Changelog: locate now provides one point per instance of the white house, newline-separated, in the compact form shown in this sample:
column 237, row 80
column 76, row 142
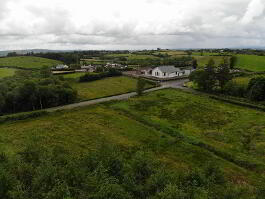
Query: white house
column 167, row 72
column 61, row 66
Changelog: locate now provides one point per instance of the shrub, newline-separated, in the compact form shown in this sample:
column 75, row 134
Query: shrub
column 140, row 86
column 171, row 192
column 235, row 89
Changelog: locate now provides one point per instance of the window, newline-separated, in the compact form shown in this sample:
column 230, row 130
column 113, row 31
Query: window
column 164, row 74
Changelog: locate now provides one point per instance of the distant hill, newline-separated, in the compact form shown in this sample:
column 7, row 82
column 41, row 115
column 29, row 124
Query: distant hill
column 23, row 52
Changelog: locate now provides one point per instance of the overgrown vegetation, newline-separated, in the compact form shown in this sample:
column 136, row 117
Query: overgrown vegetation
column 109, row 173
column 161, row 145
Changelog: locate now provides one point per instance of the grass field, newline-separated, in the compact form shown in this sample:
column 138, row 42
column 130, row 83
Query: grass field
column 105, row 87
column 28, row 62
column 183, row 130
column 245, row 80
column 203, row 60
column 171, row 52
column 132, row 56
column 7, row 72
column 251, row 62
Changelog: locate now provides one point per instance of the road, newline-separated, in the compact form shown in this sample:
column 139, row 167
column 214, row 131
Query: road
column 170, row 84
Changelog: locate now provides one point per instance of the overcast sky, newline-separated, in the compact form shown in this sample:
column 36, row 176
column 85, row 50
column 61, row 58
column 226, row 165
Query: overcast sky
column 131, row 24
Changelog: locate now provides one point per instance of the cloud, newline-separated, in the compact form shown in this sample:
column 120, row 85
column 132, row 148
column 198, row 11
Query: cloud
column 254, row 9
column 130, row 24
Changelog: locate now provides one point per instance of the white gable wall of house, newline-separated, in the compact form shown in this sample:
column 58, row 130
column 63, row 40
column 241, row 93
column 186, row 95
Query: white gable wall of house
column 158, row 73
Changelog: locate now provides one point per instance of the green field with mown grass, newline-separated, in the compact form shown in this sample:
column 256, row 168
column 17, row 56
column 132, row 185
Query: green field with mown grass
column 250, row 62
column 105, row 87
column 7, row 72
column 28, row 62
column 184, row 131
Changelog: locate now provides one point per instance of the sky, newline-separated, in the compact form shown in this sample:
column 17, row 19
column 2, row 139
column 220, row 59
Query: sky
column 131, row 24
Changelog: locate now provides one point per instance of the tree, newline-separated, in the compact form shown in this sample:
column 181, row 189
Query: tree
column 233, row 61
column 256, row 89
column 140, row 86
column 45, row 72
column 209, row 76
column 223, row 73
column 206, row 78
column 194, row 63
column 12, row 54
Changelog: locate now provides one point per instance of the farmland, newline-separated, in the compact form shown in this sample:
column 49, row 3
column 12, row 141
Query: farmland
column 251, row 62
column 245, row 80
column 7, row 72
column 27, row 62
column 105, row 87
column 183, row 130
column 203, row 60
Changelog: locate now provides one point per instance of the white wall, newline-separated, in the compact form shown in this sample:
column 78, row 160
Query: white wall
column 173, row 75
column 187, row 72
column 157, row 73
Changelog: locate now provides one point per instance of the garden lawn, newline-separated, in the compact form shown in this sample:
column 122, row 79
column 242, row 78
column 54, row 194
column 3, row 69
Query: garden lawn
column 28, row 62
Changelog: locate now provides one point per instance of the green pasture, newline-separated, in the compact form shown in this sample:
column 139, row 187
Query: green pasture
column 28, row 62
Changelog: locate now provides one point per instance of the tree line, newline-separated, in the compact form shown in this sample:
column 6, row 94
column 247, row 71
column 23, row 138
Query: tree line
column 88, row 77
column 219, row 79
column 28, row 91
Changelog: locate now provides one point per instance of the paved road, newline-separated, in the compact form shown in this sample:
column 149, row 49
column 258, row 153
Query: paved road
column 171, row 84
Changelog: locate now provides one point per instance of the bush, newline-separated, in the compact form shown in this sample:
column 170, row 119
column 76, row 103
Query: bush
column 256, row 88
column 234, row 89
column 37, row 173
column 171, row 192
column 140, row 86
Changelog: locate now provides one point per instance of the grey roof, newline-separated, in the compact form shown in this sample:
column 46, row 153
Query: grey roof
column 169, row 69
